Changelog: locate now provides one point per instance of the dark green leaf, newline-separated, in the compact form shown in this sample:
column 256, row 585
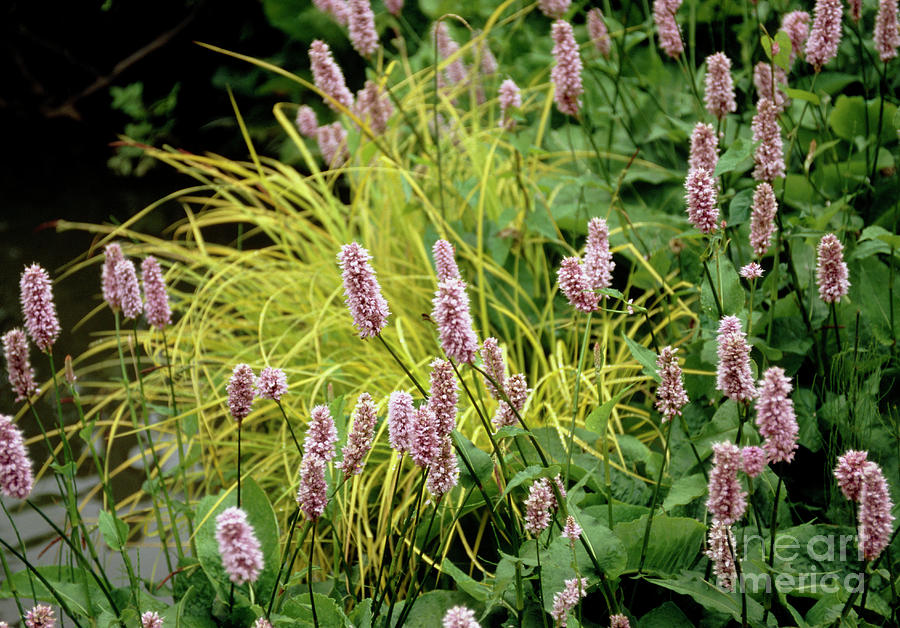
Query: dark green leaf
column 685, row 490
column 734, row 157
column 597, row 420
column 643, row 355
column 674, row 544
column 465, row 582
column 113, row 529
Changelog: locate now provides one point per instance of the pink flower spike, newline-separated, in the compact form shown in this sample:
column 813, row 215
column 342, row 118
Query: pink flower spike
column 754, row 460
column 328, row 77
column 129, row 291
column 764, row 83
column 831, row 270
column 361, row 24
column 537, row 507
column 875, row 518
column 566, row 72
column 769, row 154
column 762, row 218
column 16, row 474
column 554, row 9
column 41, row 616
column 702, row 200
column 332, row 141
column 571, row 530
column 337, row 9
column 400, row 421
column 598, row 260
column 796, row 25
column 394, row 7
column 455, row 71
column 444, row 261
column 460, row 617
column 443, row 472
column 38, row 308
column 494, row 365
column 849, row 473
column 704, row 148
column 825, row 35
column 238, row 546
column 727, row 502
column 364, row 300
column 272, row 384
column 733, row 375
column 670, row 396
column 855, row 9
column 598, row 32
column 156, row 306
column 576, row 286
column 261, row 622
column 887, row 37
column 424, row 443
column 667, row 28
column 719, row 95
column 721, row 549
column 307, row 123
column 510, row 97
column 567, row 599
column 451, row 313
column 240, row 391
column 312, row 493
column 151, row 619
column 359, row 441
column 443, row 397
column 21, row 375
column 321, row 434
column 517, row 390
column 751, row 271
column 619, row 621
column 111, row 294
column 373, row 107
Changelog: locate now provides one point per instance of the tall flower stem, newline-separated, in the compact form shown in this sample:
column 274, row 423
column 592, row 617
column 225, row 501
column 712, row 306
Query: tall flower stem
column 773, row 527
column 837, row 333
column 292, row 522
column 312, row 599
column 584, row 346
column 290, row 429
column 240, row 423
column 687, row 434
column 24, row 548
column 719, row 308
column 402, row 365
column 287, row 575
column 179, row 437
column 537, row 551
column 662, row 466
column 399, row 559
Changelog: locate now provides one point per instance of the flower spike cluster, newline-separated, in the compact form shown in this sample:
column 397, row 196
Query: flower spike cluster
column 240, row 391
column 328, row 77
column 598, row 260
column 566, row 73
column 769, row 154
column 156, row 304
column 112, row 255
column 863, row 481
column 702, row 200
column 727, row 502
column 849, row 473
column 704, row 148
column 510, row 97
column 719, row 95
column 38, row 307
column 573, row 283
column 667, row 27
column 18, row 366
column 825, row 35
column 887, row 36
column 41, row 616
column 775, row 416
column 733, row 375
column 721, row 550
column 129, row 290
column 321, row 435
column 598, row 32
column 796, row 25
column 271, row 384
column 238, row 545
column 363, row 294
column 373, row 107
column 306, row 121
column 359, row 441
column 831, row 270
column 762, row 218
column 460, row 617
column 670, row 396
column 361, row 24
column 151, row 619
column 400, row 416
column 16, row 475
column 567, row 599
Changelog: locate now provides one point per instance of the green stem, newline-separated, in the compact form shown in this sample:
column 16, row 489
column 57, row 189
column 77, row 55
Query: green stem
column 402, row 365
column 837, row 333
column 290, row 429
column 312, row 600
column 773, row 528
column 584, row 344
column 179, row 438
column 659, row 476
column 712, row 286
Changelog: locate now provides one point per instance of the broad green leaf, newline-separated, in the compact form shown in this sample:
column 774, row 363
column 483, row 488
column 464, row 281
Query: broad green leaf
column 532, row 472
column 782, row 57
column 667, row 615
column 480, row 461
column 801, row 94
column 464, row 581
column 728, row 288
column 509, row 431
column 643, row 355
column 361, row 615
column 113, row 529
column 734, row 157
column 849, row 118
column 328, row 613
column 73, row 584
column 711, row 597
column 674, row 545
column 685, row 490
column 739, row 208
column 429, row 608
column 597, row 420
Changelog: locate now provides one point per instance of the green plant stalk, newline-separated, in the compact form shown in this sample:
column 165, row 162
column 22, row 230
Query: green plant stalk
column 882, row 82
column 744, row 414
column 63, row 486
column 402, row 365
column 584, row 344
column 292, row 522
column 377, row 584
column 24, row 552
column 599, row 360
column 687, row 434
column 416, row 583
column 740, row 579
column 240, row 423
column 852, row 597
column 12, row 585
column 537, row 551
column 773, row 528
column 712, row 286
column 290, row 429
column 484, row 421
column 287, row 575
column 107, row 489
column 837, row 333
column 179, row 437
column 436, row 137
column 750, row 311
column 659, row 476
column 415, row 525
column 312, row 599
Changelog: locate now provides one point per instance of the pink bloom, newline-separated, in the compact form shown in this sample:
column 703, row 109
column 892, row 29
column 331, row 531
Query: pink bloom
column 597, row 31
column 751, row 271
column 451, row 313
column 720, row 548
column 825, row 35
column 702, row 200
column 855, row 9
column 571, row 530
column 157, row 299
column 775, row 415
column 831, row 270
column 875, row 517
column 727, row 502
column 359, row 441
column 332, row 141
column 510, row 97
column 849, row 473
column 444, row 261
column 337, row 9
column 443, row 397
column 394, row 7
column 667, row 28
column 537, row 507
column 38, row 307
column 554, row 9
column 240, row 391
column 494, row 365
column 576, row 286
column 321, row 434
column 765, row 84
column 719, row 94
column 762, row 218
column 361, row 24
column 328, row 77
column 368, row 307
column 460, row 617
column 129, row 291
column 261, row 622
column 566, row 72
column 754, row 460
column 443, row 472
column 886, row 36
column 151, row 619
column 21, row 375
column 16, row 475
column 400, row 417
column 312, row 494
column 489, row 63
column 733, row 375
column 112, row 255
column 455, row 71
column 238, row 545
column 769, row 155
column 517, row 390
column 272, row 384
column 373, row 107
column 424, row 443
column 796, row 25
column 704, row 148
column 670, row 396
column 567, row 599
column 598, row 261
column 618, row 621
column 307, row 123
column 41, row 616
